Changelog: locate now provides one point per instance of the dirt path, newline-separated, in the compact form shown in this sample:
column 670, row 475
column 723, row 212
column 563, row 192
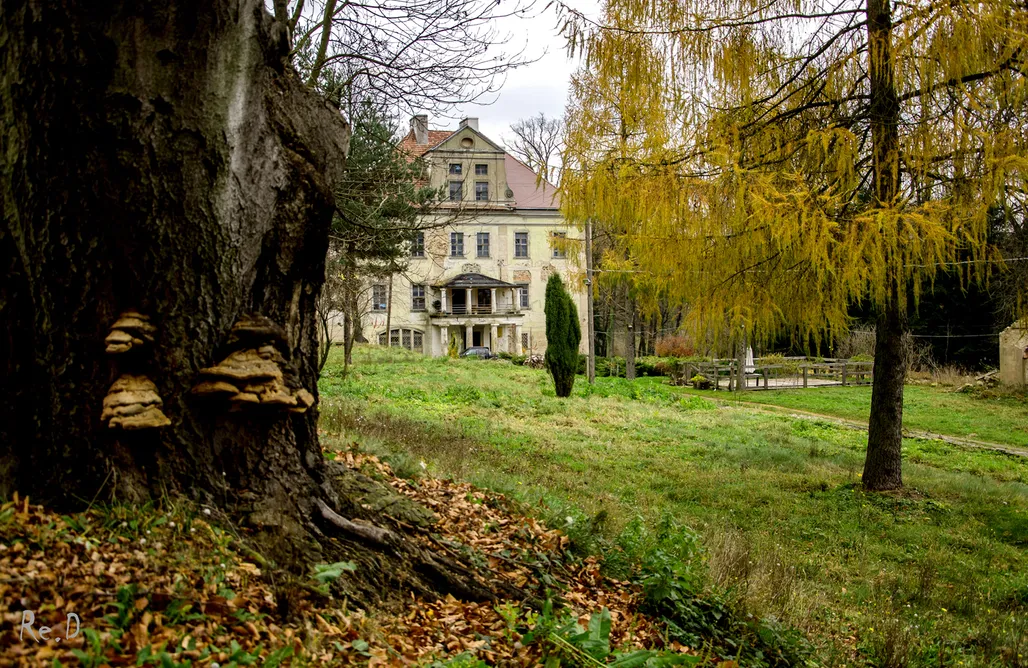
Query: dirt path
column 862, row 426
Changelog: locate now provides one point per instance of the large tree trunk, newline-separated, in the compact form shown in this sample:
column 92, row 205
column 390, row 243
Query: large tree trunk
column 883, row 464
column 160, row 157
column 882, row 467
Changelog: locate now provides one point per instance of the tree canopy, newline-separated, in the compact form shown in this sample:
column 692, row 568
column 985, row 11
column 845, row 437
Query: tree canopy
column 730, row 144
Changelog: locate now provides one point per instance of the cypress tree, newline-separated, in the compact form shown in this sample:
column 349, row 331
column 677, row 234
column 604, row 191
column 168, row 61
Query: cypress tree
column 563, row 334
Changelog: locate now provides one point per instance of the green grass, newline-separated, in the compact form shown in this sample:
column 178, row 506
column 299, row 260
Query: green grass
column 935, row 575
column 937, row 410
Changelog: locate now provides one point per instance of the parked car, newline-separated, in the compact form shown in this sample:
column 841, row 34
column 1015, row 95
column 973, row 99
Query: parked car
column 480, row 352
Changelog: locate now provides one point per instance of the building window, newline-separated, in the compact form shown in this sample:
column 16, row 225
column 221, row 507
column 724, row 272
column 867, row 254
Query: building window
column 456, row 244
column 456, row 169
column 378, row 297
column 558, row 240
column 456, row 191
column 417, row 246
column 482, row 244
column 521, row 244
column 417, row 297
column 523, row 296
column 481, row 170
column 482, row 191
column 525, row 341
column 411, row 339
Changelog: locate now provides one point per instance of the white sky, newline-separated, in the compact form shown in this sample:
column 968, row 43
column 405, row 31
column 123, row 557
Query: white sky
column 539, row 87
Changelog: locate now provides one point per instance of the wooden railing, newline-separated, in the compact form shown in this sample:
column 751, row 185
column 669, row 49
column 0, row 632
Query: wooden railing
column 723, row 374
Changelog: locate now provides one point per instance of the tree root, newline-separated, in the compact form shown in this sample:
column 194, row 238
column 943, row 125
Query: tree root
column 372, row 534
column 437, row 573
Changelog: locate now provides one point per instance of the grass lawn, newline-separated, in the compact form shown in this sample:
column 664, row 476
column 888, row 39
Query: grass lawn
column 935, row 575
column 937, row 410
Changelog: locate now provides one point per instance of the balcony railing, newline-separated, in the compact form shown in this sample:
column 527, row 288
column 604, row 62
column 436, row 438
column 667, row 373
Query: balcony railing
column 478, row 309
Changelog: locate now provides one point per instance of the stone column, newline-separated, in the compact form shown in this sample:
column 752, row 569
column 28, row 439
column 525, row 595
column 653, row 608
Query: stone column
column 444, row 301
column 467, row 291
column 469, row 328
column 517, row 340
column 444, row 339
column 492, row 337
column 492, row 293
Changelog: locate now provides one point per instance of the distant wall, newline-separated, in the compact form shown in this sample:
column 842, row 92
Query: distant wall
column 1013, row 367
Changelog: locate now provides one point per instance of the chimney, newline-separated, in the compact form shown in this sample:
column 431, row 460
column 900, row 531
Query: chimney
column 419, row 124
column 470, row 123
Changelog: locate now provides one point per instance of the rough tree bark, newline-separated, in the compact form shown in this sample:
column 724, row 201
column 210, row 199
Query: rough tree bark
column 882, row 467
column 161, row 157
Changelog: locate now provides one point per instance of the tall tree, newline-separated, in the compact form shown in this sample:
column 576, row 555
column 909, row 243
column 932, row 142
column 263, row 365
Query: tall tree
column 791, row 159
column 537, row 142
column 168, row 190
column 382, row 205
column 563, row 335
column 414, row 55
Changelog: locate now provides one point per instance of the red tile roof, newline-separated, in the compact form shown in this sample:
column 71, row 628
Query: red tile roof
column 411, row 147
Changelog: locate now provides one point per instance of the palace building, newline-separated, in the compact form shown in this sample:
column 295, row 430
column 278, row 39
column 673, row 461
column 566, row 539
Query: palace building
column 479, row 278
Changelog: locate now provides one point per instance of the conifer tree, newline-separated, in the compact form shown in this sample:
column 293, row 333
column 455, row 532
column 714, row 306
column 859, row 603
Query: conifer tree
column 563, row 334
column 770, row 163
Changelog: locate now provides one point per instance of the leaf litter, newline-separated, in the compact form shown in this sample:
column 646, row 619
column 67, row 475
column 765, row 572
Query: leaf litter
column 175, row 587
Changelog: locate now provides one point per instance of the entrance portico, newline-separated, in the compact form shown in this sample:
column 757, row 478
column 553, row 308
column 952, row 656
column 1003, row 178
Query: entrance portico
column 478, row 310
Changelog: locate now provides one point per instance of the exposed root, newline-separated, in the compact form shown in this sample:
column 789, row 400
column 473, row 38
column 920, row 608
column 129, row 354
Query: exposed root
column 372, row 534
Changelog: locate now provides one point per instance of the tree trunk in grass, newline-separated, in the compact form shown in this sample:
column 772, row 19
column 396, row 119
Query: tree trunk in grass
column 159, row 157
column 630, row 348
column 882, row 467
column 883, row 464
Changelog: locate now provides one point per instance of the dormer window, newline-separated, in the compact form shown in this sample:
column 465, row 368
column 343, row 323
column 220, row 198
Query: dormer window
column 456, row 169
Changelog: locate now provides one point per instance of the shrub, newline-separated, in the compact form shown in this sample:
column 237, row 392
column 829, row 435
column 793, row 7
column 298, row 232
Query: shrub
column 563, row 334
column 790, row 367
column 678, row 345
column 610, row 367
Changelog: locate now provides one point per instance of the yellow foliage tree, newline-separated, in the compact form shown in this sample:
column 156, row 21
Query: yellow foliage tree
column 771, row 162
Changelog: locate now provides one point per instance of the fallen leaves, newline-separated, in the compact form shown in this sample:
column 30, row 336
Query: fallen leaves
column 144, row 582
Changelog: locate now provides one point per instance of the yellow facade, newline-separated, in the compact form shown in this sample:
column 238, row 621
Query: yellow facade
column 496, row 248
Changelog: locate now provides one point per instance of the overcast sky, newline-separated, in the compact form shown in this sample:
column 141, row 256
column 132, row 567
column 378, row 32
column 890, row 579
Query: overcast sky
column 539, row 87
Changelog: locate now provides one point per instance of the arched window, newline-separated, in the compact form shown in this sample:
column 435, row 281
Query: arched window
column 411, row 339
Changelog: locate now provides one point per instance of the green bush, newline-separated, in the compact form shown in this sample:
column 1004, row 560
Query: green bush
column 518, row 360
column 789, row 367
column 610, row 367
column 563, row 334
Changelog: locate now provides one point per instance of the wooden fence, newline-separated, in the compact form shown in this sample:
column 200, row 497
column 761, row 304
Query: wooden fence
column 723, row 375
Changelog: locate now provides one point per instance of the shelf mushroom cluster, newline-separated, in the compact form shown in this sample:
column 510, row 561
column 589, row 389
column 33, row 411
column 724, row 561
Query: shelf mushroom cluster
column 131, row 330
column 133, row 403
column 255, row 375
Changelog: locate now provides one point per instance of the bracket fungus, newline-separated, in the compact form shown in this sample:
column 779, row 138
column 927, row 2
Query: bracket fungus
column 131, row 330
column 133, row 403
column 256, row 374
